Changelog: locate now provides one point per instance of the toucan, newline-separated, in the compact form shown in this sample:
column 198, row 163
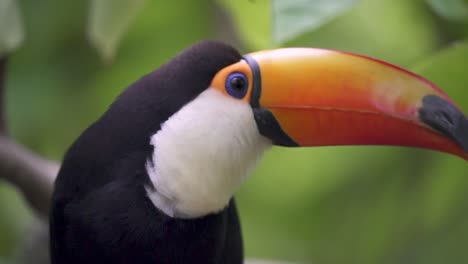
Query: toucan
column 153, row 179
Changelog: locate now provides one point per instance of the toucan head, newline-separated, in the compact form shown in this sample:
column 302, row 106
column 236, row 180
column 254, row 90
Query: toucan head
column 218, row 111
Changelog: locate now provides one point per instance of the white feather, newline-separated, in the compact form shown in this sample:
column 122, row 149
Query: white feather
column 202, row 154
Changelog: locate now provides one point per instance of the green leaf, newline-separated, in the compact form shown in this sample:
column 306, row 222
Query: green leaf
column 447, row 69
column 371, row 29
column 11, row 26
column 450, row 9
column 295, row 17
column 108, row 22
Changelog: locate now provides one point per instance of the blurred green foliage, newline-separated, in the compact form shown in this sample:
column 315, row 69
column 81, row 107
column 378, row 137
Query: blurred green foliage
column 451, row 9
column 108, row 21
column 326, row 205
column 11, row 26
column 293, row 18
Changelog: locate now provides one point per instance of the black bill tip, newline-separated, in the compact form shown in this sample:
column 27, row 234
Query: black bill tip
column 445, row 118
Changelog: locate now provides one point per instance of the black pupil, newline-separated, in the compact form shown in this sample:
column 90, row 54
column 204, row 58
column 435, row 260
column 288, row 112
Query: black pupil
column 237, row 83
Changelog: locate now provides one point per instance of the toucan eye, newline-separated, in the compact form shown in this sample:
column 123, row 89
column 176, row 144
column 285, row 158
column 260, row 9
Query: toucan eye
column 237, row 85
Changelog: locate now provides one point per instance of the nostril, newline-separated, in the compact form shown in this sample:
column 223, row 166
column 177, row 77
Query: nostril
column 447, row 118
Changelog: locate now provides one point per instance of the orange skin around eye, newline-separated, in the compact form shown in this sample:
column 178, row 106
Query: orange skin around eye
column 219, row 81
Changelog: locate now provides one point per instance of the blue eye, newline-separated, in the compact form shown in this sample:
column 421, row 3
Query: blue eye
column 237, row 85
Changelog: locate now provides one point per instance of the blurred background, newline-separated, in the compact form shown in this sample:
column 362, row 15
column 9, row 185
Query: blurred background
column 318, row 205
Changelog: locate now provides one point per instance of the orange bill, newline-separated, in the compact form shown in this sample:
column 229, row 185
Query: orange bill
column 323, row 97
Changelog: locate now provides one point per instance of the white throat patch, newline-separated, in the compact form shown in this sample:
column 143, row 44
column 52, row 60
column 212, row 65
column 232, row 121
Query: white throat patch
column 202, row 154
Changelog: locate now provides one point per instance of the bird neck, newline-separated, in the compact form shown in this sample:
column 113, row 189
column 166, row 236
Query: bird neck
column 202, row 154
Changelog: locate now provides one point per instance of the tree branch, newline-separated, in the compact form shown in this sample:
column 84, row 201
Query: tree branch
column 31, row 174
